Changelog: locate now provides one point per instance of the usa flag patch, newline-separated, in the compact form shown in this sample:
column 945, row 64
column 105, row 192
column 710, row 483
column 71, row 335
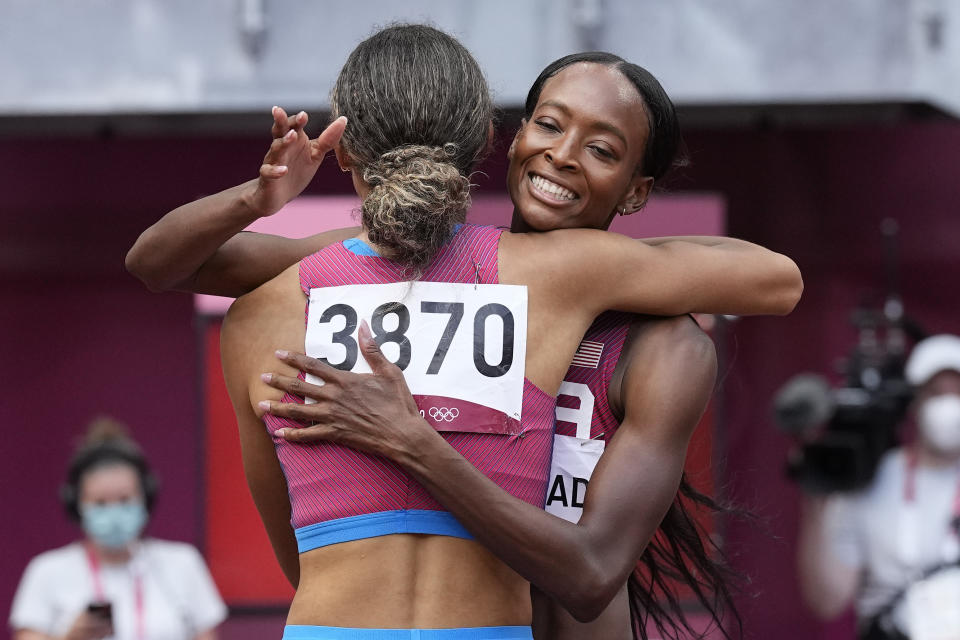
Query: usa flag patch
column 588, row 354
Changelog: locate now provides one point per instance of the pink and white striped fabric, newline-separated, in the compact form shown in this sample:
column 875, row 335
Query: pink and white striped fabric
column 336, row 488
column 593, row 366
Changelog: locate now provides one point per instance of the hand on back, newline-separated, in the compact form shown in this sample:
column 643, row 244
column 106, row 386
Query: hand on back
column 372, row 412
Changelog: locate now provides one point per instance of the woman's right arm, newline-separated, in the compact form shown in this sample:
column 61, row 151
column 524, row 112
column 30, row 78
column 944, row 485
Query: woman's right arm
column 198, row 247
column 669, row 276
column 632, row 487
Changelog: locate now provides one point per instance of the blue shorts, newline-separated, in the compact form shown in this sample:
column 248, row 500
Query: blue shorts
column 309, row 632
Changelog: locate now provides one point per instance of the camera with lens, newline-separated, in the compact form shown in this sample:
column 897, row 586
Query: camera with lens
column 845, row 429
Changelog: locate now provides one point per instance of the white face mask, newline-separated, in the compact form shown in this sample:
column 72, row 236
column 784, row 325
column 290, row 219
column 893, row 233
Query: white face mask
column 939, row 422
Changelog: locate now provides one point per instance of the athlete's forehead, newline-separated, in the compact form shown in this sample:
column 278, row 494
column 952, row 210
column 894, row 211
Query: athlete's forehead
column 600, row 96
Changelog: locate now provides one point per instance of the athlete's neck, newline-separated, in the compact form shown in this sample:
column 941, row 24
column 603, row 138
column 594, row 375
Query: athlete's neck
column 517, row 223
column 364, row 237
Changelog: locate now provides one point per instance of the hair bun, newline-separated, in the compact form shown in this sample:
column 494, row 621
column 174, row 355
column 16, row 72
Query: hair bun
column 419, row 113
column 417, row 197
column 403, row 161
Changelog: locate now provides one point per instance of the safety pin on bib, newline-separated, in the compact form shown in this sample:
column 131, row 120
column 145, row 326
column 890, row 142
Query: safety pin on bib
column 596, row 437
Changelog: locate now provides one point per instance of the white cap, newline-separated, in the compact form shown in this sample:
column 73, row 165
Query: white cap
column 931, row 356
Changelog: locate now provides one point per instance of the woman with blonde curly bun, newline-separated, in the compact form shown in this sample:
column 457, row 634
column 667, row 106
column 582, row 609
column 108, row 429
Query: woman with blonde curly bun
column 483, row 323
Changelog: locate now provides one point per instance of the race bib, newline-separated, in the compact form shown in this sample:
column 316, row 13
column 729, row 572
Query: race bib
column 570, row 470
column 574, row 458
column 932, row 607
column 461, row 347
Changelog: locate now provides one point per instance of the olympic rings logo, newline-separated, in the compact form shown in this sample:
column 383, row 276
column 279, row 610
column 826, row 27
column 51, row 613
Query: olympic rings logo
column 444, row 414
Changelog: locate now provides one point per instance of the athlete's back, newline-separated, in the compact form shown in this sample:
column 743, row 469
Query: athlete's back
column 410, row 580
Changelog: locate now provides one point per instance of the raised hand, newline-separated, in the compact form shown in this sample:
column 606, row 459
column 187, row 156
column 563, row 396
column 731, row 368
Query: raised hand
column 372, row 412
column 292, row 160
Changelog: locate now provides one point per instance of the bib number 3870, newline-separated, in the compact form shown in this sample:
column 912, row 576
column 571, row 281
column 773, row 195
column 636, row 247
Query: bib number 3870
column 398, row 335
column 450, row 339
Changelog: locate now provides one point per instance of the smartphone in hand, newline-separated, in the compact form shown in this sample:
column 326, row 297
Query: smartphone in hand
column 101, row 610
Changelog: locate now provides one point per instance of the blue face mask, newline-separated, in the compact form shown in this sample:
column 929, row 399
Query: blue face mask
column 114, row 525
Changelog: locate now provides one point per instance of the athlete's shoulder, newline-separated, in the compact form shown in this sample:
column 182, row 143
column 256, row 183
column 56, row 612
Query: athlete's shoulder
column 480, row 229
column 673, row 348
column 255, row 320
column 260, row 300
column 473, row 235
column 315, row 268
column 679, row 334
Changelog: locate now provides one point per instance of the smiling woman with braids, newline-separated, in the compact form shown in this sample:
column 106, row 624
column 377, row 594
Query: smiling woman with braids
column 371, row 529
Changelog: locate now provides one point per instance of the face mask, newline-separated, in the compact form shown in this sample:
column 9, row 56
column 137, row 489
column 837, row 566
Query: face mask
column 939, row 422
column 114, row 525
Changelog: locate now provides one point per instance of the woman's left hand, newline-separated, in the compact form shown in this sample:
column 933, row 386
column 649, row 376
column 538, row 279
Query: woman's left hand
column 372, row 412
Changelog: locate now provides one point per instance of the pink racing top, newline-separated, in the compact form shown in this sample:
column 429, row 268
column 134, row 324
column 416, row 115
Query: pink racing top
column 338, row 494
column 593, row 366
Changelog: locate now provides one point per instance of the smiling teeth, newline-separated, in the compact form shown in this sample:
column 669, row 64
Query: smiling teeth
column 542, row 184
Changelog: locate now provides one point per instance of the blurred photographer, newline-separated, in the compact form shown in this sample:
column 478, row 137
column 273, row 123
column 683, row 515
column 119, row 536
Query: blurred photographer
column 114, row 583
column 892, row 547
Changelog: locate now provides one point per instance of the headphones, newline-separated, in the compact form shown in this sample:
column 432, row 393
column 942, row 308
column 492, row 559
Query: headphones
column 101, row 453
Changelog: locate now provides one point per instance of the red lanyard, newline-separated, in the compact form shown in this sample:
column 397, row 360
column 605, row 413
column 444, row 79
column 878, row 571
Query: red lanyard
column 100, row 595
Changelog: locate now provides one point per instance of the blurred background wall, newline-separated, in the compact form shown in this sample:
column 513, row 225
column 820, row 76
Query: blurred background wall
column 815, row 121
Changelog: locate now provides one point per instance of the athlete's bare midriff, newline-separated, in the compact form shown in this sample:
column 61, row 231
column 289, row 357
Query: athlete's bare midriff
column 408, row 581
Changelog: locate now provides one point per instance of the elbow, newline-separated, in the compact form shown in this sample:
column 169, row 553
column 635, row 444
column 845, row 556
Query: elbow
column 592, row 595
column 585, row 613
column 137, row 265
column 154, row 285
column 133, row 262
column 790, row 287
column 589, row 606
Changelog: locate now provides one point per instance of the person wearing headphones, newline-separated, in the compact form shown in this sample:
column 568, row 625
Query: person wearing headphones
column 893, row 548
column 115, row 583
